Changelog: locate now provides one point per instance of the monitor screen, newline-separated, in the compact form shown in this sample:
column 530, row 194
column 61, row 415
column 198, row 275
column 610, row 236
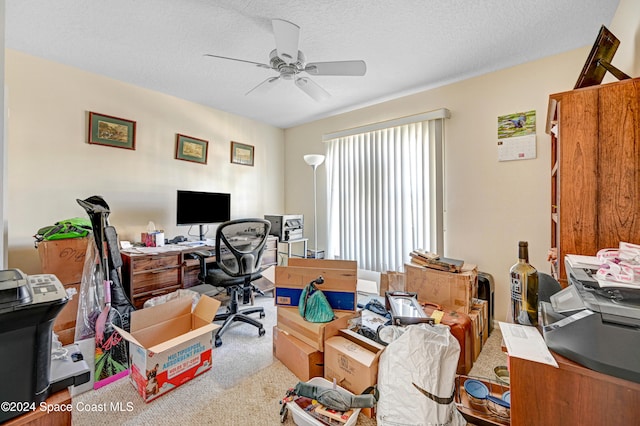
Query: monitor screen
column 198, row 208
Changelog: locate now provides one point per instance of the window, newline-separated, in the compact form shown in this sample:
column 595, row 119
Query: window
column 384, row 189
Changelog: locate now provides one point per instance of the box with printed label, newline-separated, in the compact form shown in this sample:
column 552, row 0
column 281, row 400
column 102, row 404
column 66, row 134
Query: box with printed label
column 339, row 286
column 352, row 361
column 312, row 333
column 169, row 344
column 451, row 289
column 303, row 360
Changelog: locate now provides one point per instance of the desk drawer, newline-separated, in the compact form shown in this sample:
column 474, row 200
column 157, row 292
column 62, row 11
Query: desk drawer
column 139, row 299
column 157, row 278
column 146, row 263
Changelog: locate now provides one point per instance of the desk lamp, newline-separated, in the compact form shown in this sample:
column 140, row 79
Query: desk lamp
column 314, row 160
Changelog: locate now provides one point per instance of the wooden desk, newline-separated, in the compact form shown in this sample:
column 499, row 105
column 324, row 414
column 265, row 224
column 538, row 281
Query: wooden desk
column 42, row 418
column 570, row 395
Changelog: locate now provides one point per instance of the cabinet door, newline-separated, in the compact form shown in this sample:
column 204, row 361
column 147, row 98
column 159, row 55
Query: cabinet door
column 619, row 173
column 578, row 174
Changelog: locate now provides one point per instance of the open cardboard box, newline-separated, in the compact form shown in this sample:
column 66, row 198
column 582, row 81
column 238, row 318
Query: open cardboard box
column 352, row 361
column 169, row 344
column 340, row 281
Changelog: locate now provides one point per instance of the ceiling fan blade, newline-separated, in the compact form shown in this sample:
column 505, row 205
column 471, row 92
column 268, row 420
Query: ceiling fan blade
column 287, row 35
column 357, row 68
column 312, row 89
column 265, row 86
column 239, row 60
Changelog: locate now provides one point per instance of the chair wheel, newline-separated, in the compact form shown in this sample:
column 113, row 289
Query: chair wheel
column 261, row 314
column 261, row 332
column 218, row 342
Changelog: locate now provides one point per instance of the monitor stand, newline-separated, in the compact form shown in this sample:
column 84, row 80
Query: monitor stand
column 201, row 232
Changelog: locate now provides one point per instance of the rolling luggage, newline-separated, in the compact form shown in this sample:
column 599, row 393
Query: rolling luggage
column 460, row 325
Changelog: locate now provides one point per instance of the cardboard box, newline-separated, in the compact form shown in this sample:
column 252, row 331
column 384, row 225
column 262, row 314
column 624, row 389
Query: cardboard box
column 312, row 333
column 340, row 281
column 303, row 360
column 352, row 361
column 476, row 332
column 391, row 281
column 483, row 306
column 63, row 258
column 450, row 289
column 170, row 345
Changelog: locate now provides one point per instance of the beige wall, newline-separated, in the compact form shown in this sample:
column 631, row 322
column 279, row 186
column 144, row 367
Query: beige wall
column 50, row 163
column 490, row 205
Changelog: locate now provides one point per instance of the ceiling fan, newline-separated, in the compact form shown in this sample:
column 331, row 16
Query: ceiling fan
column 290, row 62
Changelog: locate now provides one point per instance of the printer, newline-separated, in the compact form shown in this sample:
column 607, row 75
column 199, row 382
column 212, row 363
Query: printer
column 29, row 306
column 287, row 227
column 595, row 326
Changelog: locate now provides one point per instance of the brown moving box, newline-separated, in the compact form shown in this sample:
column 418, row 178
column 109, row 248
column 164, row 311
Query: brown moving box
column 483, row 306
column 450, row 289
column 352, row 361
column 303, row 360
column 311, row 333
column 391, row 281
column 340, row 281
column 63, row 258
column 476, row 332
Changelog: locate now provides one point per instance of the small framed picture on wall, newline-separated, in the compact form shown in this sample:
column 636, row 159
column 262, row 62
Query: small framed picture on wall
column 191, row 149
column 241, row 153
column 111, row 131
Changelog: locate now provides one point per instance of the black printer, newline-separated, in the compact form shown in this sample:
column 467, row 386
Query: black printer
column 593, row 325
column 29, row 306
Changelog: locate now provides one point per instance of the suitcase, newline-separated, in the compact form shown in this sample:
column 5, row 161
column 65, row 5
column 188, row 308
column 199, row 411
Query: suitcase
column 460, row 325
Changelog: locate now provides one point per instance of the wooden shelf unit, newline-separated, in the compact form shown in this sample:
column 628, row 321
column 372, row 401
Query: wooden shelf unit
column 595, row 168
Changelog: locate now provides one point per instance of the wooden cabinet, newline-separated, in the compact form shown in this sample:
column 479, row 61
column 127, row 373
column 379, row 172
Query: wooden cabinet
column 570, row 395
column 595, row 170
column 149, row 275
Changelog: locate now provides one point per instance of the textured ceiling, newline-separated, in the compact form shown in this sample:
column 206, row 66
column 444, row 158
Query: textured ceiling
column 408, row 45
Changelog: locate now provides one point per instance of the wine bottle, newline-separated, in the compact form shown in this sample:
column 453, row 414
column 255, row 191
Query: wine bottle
column 524, row 289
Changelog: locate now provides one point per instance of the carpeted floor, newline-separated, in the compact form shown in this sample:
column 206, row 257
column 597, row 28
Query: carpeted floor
column 244, row 386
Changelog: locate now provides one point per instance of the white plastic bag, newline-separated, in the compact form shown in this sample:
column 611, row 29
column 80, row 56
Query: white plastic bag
column 421, row 361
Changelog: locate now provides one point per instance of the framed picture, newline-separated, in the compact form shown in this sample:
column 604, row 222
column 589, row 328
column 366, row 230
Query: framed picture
column 112, row 131
column 191, row 149
column 241, row 153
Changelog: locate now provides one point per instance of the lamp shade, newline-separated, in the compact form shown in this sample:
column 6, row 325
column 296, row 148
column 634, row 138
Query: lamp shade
column 314, row 159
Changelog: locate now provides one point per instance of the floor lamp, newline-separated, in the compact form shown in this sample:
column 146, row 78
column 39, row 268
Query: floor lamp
column 314, row 160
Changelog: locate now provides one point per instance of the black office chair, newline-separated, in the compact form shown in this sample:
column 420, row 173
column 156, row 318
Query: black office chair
column 239, row 247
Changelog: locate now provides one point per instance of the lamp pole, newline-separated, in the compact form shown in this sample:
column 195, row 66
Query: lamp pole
column 314, row 160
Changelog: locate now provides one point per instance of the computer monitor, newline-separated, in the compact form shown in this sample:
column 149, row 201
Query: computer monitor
column 599, row 60
column 202, row 208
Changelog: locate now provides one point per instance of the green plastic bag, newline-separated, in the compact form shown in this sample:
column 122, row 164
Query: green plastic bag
column 314, row 306
column 76, row 227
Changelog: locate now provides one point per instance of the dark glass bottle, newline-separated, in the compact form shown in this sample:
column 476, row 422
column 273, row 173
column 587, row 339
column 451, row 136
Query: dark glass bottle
column 524, row 289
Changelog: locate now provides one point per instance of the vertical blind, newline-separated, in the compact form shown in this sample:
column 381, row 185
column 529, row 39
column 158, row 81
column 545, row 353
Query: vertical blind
column 381, row 189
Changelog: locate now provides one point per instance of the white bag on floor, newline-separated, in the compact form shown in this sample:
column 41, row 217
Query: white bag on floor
column 416, row 378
